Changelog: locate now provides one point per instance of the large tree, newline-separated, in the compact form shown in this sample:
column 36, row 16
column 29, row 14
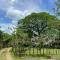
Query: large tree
column 39, row 24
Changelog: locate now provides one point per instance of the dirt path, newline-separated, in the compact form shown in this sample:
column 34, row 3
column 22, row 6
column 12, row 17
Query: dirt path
column 8, row 55
column 5, row 54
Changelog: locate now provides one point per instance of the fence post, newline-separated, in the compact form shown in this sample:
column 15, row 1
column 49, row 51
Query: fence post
column 37, row 50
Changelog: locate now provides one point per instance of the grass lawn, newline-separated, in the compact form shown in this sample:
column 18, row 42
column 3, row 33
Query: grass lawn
column 44, row 51
column 53, row 53
column 49, row 54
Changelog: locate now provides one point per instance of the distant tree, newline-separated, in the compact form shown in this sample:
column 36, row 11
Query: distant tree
column 1, row 38
column 1, row 35
column 57, row 7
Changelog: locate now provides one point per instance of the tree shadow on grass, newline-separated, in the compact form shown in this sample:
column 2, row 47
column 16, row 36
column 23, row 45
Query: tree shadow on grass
column 42, row 55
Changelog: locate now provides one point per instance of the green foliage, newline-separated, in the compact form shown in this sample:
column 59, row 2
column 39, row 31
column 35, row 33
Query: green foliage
column 1, row 34
column 40, row 23
column 6, row 36
column 37, row 30
column 4, row 39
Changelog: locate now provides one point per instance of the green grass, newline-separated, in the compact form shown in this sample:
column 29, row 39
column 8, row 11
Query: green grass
column 47, row 53
column 53, row 54
column 44, row 51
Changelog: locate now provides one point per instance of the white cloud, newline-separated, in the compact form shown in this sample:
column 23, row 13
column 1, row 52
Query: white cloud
column 4, row 4
column 16, row 9
column 16, row 14
column 13, row 13
column 12, row 0
column 7, row 27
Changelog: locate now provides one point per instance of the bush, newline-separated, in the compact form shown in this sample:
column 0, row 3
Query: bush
column 19, row 51
column 1, row 46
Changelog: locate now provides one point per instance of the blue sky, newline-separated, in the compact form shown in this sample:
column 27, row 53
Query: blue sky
column 13, row 10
